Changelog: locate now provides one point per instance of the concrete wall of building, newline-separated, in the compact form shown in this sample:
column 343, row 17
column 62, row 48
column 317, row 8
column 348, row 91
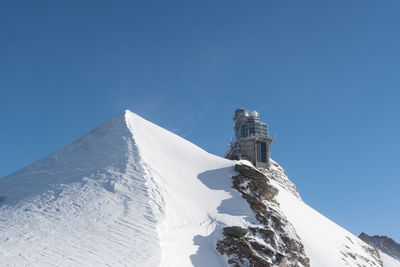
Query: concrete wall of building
column 248, row 150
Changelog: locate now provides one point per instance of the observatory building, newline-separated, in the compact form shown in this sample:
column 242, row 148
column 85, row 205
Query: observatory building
column 251, row 139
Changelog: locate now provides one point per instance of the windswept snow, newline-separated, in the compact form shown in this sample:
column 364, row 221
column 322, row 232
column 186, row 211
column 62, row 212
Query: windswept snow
column 87, row 204
column 128, row 193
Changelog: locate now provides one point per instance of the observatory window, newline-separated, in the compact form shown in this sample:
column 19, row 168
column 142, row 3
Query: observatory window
column 253, row 128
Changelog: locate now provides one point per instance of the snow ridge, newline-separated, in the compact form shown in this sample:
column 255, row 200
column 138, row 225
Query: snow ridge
column 130, row 193
column 85, row 204
column 197, row 192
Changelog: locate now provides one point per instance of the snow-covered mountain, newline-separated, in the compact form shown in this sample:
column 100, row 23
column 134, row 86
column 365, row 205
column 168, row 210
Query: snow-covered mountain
column 382, row 243
column 131, row 193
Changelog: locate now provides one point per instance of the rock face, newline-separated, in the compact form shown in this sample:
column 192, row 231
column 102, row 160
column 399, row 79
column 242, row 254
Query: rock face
column 273, row 242
column 249, row 172
column 382, row 243
column 235, row 231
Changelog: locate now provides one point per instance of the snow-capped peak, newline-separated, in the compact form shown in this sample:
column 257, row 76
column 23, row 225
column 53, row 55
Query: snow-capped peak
column 130, row 193
column 127, row 193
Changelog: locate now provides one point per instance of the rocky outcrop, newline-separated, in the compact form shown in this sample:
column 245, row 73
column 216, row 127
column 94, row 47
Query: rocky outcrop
column 382, row 243
column 235, row 231
column 277, row 173
column 273, row 242
column 240, row 252
column 249, row 172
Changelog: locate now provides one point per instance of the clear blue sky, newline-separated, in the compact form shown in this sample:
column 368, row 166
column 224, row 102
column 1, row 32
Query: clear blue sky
column 323, row 74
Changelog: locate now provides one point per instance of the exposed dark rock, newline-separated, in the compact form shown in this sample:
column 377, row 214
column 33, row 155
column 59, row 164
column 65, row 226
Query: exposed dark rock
column 277, row 248
column 281, row 260
column 235, row 231
column 277, row 223
column 266, row 234
column 262, row 249
column 242, row 252
column 256, row 205
column 249, row 172
column 262, row 218
column 2, row 198
column 261, row 189
column 382, row 243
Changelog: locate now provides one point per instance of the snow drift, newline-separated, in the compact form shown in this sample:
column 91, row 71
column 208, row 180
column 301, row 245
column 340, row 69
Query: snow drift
column 127, row 193
column 130, row 193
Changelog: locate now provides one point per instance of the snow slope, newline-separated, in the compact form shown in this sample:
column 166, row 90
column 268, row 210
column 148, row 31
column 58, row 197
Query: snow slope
column 326, row 243
column 389, row 261
column 196, row 195
column 130, row 193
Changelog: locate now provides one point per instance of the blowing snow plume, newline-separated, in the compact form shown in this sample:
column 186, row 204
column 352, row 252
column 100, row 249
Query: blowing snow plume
column 131, row 193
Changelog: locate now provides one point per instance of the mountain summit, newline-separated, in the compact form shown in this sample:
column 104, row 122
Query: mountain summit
column 130, row 193
column 382, row 243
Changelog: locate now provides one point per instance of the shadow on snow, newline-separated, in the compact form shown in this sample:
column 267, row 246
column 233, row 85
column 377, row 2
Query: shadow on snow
column 219, row 179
